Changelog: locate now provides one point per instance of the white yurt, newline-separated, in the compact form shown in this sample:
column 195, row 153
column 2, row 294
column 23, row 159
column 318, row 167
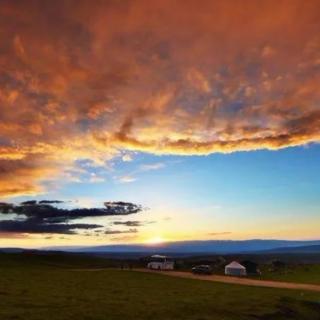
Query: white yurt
column 235, row 269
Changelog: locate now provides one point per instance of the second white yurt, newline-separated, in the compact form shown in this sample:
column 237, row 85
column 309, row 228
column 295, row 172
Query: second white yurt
column 235, row 269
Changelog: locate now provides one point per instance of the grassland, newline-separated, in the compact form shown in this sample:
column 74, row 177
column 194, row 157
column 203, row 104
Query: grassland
column 63, row 287
column 299, row 268
column 293, row 273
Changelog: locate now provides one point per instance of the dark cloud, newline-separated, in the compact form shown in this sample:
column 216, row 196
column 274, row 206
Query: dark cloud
column 44, row 211
column 133, row 223
column 122, row 208
column 41, row 217
column 51, row 201
column 120, row 231
column 30, row 202
column 6, row 207
column 39, row 226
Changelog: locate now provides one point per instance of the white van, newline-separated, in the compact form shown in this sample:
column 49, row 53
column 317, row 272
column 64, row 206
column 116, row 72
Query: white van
column 158, row 262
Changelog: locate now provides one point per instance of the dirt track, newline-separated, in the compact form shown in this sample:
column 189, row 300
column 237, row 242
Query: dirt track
column 240, row 281
column 227, row 279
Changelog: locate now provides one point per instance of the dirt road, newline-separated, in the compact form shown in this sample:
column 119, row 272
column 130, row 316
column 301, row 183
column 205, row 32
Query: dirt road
column 240, row 281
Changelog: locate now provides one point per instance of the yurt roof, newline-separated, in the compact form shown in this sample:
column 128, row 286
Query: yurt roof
column 235, row 265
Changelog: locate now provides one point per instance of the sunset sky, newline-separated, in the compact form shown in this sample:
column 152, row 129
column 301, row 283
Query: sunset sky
column 174, row 120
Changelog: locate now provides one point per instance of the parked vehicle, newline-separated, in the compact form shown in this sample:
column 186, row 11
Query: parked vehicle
column 202, row 269
column 158, row 262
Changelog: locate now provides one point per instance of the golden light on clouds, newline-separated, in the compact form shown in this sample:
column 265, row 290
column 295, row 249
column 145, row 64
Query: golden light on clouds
column 88, row 79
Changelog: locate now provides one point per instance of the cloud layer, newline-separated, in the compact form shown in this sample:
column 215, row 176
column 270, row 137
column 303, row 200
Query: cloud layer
column 32, row 217
column 84, row 80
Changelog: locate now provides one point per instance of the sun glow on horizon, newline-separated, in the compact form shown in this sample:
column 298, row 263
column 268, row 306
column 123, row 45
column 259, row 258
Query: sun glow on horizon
column 156, row 240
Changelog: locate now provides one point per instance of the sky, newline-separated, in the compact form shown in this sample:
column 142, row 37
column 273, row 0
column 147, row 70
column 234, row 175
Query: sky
column 150, row 121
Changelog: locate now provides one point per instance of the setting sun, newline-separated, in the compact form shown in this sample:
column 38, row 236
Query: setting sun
column 156, row 240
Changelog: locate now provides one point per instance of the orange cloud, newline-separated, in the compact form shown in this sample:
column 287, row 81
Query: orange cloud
column 87, row 80
column 12, row 235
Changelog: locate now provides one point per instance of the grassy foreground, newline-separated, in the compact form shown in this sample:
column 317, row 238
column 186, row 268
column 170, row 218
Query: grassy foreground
column 34, row 288
column 294, row 273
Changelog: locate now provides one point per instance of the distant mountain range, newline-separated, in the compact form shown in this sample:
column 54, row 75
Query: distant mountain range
column 299, row 249
column 209, row 246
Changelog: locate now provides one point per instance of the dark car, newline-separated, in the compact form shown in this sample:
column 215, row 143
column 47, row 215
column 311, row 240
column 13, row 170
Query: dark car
column 202, row 269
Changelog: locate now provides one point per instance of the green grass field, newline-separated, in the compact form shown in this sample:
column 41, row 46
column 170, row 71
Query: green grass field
column 293, row 273
column 38, row 288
